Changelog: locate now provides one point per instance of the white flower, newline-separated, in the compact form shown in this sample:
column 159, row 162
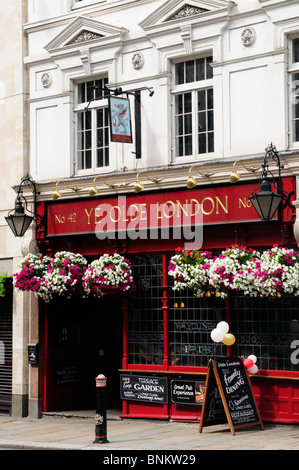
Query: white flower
column 278, row 272
column 234, row 269
column 190, row 270
column 106, row 272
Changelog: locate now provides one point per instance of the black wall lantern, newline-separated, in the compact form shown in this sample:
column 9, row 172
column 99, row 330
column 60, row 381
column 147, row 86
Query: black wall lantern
column 266, row 202
column 19, row 221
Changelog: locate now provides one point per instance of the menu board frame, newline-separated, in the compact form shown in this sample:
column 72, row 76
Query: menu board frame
column 187, row 392
column 229, row 377
column 148, row 389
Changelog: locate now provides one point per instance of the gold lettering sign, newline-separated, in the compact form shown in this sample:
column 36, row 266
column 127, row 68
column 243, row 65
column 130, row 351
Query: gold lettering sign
column 244, row 203
column 165, row 210
column 88, row 215
column 207, row 206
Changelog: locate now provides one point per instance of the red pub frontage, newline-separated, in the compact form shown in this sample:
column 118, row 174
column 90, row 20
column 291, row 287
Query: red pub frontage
column 156, row 337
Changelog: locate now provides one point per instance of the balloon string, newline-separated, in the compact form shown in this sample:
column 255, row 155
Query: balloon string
column 214, row 352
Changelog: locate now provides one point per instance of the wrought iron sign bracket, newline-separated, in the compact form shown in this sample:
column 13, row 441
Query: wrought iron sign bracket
column 137, row 109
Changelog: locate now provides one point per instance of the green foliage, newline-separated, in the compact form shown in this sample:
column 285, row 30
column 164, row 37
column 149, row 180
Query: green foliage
column 3, row 283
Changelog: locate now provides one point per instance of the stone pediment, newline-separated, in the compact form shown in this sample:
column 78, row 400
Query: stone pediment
column 84, row 36
column 187, row 10
column 83, row 30
column 178, row 10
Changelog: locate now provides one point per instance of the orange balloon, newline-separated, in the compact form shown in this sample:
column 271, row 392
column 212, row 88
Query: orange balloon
column 228, row 339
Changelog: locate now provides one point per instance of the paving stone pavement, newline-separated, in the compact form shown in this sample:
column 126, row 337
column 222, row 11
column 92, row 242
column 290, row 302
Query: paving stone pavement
column 70, row 431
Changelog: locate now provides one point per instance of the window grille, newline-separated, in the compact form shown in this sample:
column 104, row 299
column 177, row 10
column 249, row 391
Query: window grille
column 145, row 313
column 191, row 320
column 266, row 328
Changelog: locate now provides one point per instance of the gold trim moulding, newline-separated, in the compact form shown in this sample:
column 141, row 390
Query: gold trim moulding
column 171, row 372
column 163, row 372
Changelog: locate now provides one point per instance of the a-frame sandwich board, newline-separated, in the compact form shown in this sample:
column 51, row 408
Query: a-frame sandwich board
column 229, row 396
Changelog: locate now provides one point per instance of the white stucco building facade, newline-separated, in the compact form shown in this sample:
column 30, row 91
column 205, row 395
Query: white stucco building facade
column 14, row 143
column 250, row 44
column 225, row 77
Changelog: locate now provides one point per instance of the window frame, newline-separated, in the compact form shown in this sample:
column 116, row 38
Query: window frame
column 293, row 70
column 93, row 107
column 191, row 87
column 145, row 312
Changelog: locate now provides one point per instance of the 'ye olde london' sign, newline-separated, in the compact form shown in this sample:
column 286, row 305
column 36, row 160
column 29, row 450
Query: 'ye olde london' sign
column 218, row 205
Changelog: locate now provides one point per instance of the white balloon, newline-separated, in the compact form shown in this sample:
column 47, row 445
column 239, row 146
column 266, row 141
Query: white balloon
column 253, row 369
column 223, row 326
column 217, row 335
column 252, row 357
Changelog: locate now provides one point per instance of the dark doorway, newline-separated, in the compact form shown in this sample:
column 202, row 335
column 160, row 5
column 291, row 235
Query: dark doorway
column 6, row 348
column 110, row 347
column 84, row 339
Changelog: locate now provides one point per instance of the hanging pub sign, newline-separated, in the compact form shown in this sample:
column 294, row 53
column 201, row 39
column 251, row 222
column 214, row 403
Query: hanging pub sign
column 229, row 396
column 120, row 119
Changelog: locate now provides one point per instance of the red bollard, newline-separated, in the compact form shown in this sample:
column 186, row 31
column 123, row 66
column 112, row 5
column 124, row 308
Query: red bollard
column 100, row 417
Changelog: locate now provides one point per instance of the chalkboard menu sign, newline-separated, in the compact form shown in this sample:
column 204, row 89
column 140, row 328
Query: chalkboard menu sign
column 67, row 374
column 229, row 396
column 213, row 410
column 143, row 388
column 187, row 392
